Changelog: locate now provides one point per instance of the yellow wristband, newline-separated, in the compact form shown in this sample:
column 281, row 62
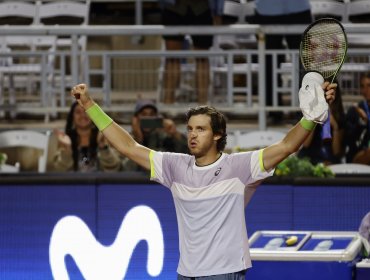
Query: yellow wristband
column 307, row 125
column 99, row 118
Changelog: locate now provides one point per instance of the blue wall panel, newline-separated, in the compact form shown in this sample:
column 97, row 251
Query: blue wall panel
column 339, row 208
column 271, row 208
column 27, row 217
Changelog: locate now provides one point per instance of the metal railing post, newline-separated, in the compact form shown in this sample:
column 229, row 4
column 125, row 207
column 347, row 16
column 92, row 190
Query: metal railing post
column 261, row 81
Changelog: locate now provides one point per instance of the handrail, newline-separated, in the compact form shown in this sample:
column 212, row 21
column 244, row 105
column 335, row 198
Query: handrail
column 109, row 30
column 235, row 29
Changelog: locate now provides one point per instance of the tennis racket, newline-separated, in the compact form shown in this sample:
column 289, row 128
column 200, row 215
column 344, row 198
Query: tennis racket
column 323, row 49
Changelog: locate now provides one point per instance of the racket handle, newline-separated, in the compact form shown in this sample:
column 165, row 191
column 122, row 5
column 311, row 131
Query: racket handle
column 326, row 132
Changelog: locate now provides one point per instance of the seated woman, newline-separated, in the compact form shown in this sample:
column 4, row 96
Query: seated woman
column 82, row 147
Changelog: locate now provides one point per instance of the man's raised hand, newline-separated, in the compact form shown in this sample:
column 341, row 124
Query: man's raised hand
column 80, row 93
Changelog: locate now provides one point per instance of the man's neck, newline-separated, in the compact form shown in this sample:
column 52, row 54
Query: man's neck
column 208, row 159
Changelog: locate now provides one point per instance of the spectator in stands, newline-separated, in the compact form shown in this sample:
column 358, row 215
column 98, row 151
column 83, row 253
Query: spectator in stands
column 187, row 12
column 330, row 151
column 358, row 131
column 82, row 147
column 150, row 129
column 280, row 12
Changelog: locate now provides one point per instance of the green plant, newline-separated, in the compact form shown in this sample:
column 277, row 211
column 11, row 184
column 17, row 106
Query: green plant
column 302, row 167
column 3, row 158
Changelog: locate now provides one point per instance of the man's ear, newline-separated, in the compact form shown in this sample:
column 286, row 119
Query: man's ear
column 216, row 137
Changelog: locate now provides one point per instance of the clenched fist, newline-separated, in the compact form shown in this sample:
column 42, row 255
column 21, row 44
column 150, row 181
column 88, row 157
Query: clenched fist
column 80, row 93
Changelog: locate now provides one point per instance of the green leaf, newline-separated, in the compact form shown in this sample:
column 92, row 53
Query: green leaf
column 302, row 167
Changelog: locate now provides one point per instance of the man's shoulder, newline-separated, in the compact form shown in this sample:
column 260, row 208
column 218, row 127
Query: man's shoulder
column 177, row 156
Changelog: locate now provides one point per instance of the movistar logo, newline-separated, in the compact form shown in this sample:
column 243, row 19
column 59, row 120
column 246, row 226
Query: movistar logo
column 71, row 236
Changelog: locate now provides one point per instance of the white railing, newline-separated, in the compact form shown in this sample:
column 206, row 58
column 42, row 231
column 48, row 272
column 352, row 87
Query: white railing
column 109, row 56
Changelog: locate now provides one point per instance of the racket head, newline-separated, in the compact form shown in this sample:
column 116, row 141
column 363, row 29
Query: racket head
column 323, row 47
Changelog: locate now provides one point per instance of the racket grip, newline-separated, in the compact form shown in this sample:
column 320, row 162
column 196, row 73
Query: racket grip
column 325, row 132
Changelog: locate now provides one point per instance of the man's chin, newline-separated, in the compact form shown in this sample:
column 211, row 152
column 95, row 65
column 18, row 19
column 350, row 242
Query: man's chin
column 195, row 153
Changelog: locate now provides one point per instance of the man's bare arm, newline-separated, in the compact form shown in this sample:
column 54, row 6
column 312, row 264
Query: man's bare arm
column 115, row 134
column 291, row 143
column 275, row 153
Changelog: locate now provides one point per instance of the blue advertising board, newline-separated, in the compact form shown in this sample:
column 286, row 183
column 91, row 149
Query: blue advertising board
column 71, row 232
column 71, row 228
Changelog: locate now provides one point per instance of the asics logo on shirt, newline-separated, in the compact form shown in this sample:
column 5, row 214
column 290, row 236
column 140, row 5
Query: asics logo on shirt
column 218, row 171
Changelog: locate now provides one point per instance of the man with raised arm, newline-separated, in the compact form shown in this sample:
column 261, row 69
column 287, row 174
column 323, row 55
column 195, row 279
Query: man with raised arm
column 211, row 188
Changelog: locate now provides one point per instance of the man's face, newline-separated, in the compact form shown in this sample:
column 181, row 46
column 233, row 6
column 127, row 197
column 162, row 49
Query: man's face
column 200, row 135
column 365, row 88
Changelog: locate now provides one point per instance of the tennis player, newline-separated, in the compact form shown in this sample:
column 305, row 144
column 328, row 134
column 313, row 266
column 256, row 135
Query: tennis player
column 211, row 188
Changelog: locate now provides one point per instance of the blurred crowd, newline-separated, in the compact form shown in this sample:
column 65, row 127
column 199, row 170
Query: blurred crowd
column 81, row 147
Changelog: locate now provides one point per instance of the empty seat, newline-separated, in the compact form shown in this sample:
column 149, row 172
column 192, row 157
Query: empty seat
column 27, row 138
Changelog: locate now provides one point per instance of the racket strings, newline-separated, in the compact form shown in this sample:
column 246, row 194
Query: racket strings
column 324, row 48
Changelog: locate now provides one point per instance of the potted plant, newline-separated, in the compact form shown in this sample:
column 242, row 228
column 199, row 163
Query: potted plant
column 302, row 167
